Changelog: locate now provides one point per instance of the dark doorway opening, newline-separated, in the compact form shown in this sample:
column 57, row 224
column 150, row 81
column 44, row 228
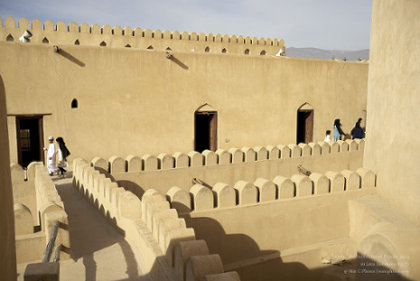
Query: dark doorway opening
column 30, row 141
column 305, row 126
column 205, row 131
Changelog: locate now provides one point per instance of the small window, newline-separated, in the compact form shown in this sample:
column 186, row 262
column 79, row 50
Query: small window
column 246, row 52
column 150, row 47
column 74, row 103
column 77, row 42
column 10, row 38
column 224, row 51
column 168, row 49
column 207, row 49
column 172, row 36
column 103, row 44
column 262, row 53
column 128, row 46
column 45, row 40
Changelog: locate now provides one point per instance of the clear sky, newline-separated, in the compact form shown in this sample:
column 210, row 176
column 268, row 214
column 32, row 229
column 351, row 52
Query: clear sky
column 326, row 24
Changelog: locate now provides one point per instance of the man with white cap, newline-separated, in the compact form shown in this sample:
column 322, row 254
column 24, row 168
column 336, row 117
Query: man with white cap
column 51, row 156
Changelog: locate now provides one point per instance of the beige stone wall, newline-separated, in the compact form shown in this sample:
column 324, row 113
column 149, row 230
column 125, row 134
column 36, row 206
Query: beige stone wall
column 37, row 203
column 211, row 169
column 254, row 230
column 393, row 103
column 7, row 233
column 59, row 33
column 168, row 249
column 24, row 192
column 133, row 100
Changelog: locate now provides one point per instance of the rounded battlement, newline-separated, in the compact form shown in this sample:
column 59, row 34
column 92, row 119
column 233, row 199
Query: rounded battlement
column 106, row 36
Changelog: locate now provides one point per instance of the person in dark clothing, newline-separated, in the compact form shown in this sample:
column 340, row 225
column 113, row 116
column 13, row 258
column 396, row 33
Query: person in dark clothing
column 338, row 132
column 357, row 131
column 63, row 153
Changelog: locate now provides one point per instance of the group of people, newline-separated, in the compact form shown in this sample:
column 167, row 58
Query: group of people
column 57, row 158
column 356, row 133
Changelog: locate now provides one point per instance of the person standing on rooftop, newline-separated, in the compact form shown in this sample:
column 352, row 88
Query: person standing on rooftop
column 338, row 132
column 51, row 156
column 357, row 131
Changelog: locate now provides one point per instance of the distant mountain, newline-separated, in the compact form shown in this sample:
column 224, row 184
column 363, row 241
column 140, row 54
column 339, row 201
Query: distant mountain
column 327, row 54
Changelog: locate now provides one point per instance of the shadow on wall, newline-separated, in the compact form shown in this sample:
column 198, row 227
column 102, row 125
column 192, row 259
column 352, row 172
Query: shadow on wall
column 238, row 253
column 131, row 186
column 177, row 61
column 267, row 265
column 69, row 56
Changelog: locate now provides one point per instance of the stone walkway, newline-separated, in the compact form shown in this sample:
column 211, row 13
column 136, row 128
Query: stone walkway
column 100, row 252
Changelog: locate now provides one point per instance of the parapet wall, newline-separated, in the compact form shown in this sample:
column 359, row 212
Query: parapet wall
column 208, row 158
column 23, row 183
column 168, row 249
column 37, row 204
column 309, row 213
column 107, row 36
column 299, row 219
column 243, row 193
column 164, row 171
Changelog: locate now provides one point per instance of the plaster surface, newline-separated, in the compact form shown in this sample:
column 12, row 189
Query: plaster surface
column 99, row 251
column 7, row 233
column 129, row 91
column 393, row 103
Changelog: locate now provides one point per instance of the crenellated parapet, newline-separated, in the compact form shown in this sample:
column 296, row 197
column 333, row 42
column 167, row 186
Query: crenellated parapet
column 207, row 158
column 244, row 193
column 37, row 203
column 169, row 249
column 144, row 39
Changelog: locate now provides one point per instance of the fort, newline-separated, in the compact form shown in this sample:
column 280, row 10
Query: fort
column 201, row 155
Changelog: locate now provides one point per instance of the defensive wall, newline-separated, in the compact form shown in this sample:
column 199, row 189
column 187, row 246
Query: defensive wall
column 234, row 219
column 116, row 37
column 390, row 222
column 284, row 227
column 37, row 206
column 400, row 72
column 128, row 91
column 164, row 171
column 7, row 233
column 168, row 249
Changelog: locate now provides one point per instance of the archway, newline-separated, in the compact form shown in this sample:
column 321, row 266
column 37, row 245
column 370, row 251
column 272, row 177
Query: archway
column 305, row 123
column 205, row 128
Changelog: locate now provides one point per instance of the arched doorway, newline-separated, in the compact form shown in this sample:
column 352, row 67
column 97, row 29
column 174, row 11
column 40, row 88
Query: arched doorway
column 205, row 128
column 305, row 124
